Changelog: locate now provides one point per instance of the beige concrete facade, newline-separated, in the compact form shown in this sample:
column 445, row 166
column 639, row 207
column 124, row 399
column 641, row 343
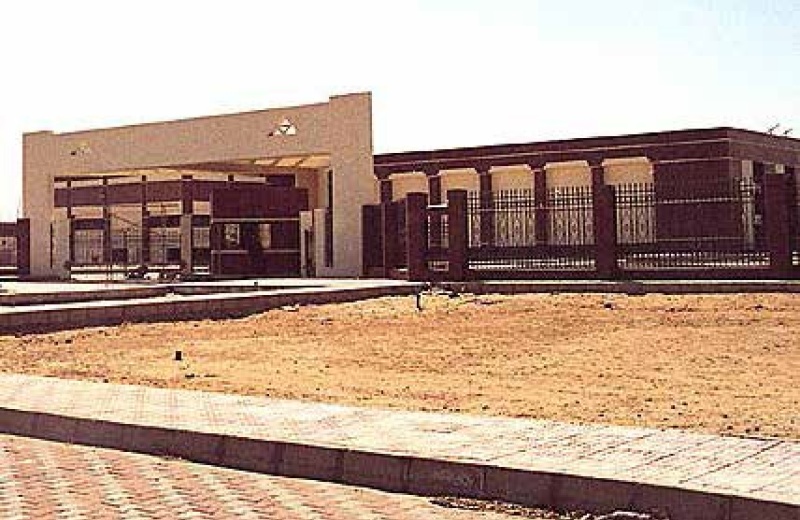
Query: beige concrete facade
column 334, row 136
column 520, row 177
column 628, row 171
column 461, row 179
column 405, row 183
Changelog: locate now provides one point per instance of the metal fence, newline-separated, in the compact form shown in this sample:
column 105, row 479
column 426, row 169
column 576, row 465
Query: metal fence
column 129, row 248
column 8, row 252
column 437, row 228
column 568, row 211
column 398, row 209
column 658, row 226
column 689, row 225
column 516, row 231
column 635, row 210
column 438, row 233
column 796, row 225
column 165, row 246
column 503, row 219
column 670, row 228
column 88, row 248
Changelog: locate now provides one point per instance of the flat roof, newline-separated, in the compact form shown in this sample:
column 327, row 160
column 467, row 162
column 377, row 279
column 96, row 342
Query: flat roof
column 583, row 143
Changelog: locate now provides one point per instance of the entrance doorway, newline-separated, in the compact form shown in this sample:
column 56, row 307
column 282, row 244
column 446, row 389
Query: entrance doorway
column 255, row 230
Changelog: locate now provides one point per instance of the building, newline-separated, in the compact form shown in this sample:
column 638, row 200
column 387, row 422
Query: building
column 297, row 191
column 681, row 203
column 148, row 193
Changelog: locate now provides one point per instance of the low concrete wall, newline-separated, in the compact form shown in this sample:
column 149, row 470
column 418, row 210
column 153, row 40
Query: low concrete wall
column 51, row 298
column 43, row 318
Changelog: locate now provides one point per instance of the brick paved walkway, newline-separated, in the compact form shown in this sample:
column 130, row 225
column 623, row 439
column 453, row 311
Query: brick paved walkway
column 562, row 465
column 43, row 480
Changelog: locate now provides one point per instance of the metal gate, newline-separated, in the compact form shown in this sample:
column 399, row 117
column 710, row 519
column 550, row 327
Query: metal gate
column 99, row 247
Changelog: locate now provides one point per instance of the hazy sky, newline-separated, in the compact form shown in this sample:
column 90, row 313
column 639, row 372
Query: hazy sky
column 443, row 73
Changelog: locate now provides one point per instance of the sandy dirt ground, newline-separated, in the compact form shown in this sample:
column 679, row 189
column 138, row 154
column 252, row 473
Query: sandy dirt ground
column 724, row 364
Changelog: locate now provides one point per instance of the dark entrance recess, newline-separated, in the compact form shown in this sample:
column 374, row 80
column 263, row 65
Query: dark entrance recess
column 255, row 230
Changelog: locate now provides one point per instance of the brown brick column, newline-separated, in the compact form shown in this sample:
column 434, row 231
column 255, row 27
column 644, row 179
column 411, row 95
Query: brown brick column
column 759, row 178
column 71, row 224
column 598, row 174
column 187, row 210
column 794, row 205
column 187, row 195
column 416, row 236
column 23, row 235
column 390, row 238
column 107, row 254
column 778, row 224
column 434, row 188
column 387, row 193
column 145, row 226
column 791, row 171
column 457, row 234
column 372, row 239
column 215, row 238
column 605, row 225
column 486, row 198
column 541, row 216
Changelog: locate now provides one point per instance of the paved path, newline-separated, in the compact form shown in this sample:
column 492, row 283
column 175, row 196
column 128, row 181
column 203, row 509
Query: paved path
column 608, row 467
column 43, row 480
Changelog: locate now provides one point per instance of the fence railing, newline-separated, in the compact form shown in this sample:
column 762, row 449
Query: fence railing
column 15, row 248
column 711, row 229
column 437, row 230
column 399, row 213
column 8, row 252
column 693, row 225
column 92, row 247
column 795, row 230
column 516, row 231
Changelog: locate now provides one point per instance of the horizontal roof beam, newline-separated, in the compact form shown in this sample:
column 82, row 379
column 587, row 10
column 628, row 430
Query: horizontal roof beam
column 253, row 169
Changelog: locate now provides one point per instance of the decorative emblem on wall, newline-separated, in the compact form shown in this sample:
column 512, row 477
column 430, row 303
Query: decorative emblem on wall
column 285, row 128
column 81, row 149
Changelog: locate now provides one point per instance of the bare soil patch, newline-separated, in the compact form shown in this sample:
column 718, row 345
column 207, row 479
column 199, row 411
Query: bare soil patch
column 536, row 513
column 714, row 363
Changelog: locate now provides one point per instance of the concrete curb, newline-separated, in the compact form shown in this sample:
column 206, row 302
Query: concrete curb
column 53, row 298
column 625, row 287
column 193, row 307
column 392, row 472
column 134, row 292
